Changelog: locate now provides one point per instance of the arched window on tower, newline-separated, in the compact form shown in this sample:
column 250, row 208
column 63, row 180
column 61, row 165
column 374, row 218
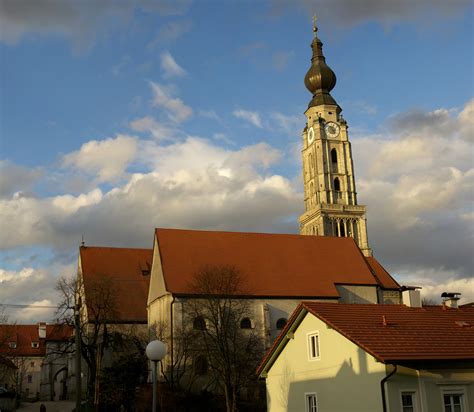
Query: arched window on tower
column 334, row 160
column 342, row 230
column 337, row 189
column 310, row 158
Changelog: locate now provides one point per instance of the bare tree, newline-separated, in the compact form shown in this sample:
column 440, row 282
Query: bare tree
column 233, row 350
column 6, row 334
column 94, row 323
column 183, row 348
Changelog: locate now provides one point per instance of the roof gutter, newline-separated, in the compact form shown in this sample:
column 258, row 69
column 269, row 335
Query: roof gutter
column 382, row 386
column 172, row 341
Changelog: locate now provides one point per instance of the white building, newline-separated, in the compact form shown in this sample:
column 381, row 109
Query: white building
column 365, row 358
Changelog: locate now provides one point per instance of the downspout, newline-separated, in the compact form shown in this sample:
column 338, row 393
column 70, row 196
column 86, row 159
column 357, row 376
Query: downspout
column 382, row 387
column 172, row 342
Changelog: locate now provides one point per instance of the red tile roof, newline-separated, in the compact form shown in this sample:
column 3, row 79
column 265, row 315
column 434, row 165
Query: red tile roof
column 124, row 268
column 272, row 264
column 430, row 333
column 385, row 280
column 24, row 335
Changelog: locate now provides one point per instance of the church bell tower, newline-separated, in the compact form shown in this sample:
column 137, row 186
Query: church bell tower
column 330, row 196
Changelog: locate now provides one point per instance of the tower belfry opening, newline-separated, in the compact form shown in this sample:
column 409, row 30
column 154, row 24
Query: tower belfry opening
column 330, row 194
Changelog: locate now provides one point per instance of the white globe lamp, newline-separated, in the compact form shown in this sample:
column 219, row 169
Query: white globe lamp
column 155, row 351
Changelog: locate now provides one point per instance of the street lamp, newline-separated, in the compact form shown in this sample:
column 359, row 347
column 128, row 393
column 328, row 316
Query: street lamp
column 155, row 351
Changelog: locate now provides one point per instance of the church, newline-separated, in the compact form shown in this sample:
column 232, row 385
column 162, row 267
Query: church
column 329, row 261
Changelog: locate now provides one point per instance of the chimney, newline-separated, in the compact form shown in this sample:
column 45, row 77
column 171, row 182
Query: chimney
column 42, row 330
column 411, row 296
column 450, row 299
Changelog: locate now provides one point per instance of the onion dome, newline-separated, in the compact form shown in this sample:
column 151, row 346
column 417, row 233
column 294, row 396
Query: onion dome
column 319, row 79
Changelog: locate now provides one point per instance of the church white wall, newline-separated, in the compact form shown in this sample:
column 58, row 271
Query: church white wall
column 263, row 312
column 157, row 283
column 357, row 294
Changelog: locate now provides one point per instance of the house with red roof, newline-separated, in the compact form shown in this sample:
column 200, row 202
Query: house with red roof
column 112, row 288
column 113, row 284
column 349, row 357
column 41, row 366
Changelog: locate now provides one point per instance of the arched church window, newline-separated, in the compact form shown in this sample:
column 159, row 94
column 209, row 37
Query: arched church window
column 337, row 185
column 311, row 164
column 199, row 323
column 200, row 365
column 281, row 323
column 246, row 323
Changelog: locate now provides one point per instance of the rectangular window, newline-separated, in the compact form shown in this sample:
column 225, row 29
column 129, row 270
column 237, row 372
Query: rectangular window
column 12, row 345
column 34, row 344
column 313, row 346
column 30, row 378
column 310, row 401
column 453, row 402
column 408, row 402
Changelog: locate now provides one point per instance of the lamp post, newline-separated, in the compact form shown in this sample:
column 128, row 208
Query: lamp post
column 155, row 351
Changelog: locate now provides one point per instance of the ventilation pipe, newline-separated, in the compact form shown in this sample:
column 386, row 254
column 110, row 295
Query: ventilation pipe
column 450, row 299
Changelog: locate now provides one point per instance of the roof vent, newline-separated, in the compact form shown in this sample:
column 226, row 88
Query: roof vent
column 450, row 299
column 411, row 296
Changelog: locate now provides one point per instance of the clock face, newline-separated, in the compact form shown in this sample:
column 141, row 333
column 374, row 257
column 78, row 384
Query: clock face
column 332, row 129
column 310, row 135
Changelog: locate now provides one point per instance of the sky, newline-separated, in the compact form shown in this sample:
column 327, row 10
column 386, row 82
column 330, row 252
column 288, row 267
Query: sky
column 119, row 117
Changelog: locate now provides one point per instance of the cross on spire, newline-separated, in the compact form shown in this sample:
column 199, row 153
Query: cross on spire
column 315, row 28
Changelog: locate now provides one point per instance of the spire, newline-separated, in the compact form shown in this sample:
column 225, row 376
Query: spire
column 319, row 79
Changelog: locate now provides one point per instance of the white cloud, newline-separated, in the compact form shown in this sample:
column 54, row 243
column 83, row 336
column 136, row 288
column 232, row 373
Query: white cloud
column 118, row 68
column 417, row 180
column 79, row 22
column 15, row 178
column 34, row 287
column 170, row 67
column 291, row 124
column 158, row 130
column 170, row 33
column 9, row 275
column 222, row 137
column 249, row 116
column 108, row 159
column 386, row 12
column 464, row 286
column 281, row 59
column 175, row 108
column 192, row 183
column 37, row 221
column 40, row 310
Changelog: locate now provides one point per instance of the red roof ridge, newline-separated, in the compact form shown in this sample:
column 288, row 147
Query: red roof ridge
column 114, row 248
